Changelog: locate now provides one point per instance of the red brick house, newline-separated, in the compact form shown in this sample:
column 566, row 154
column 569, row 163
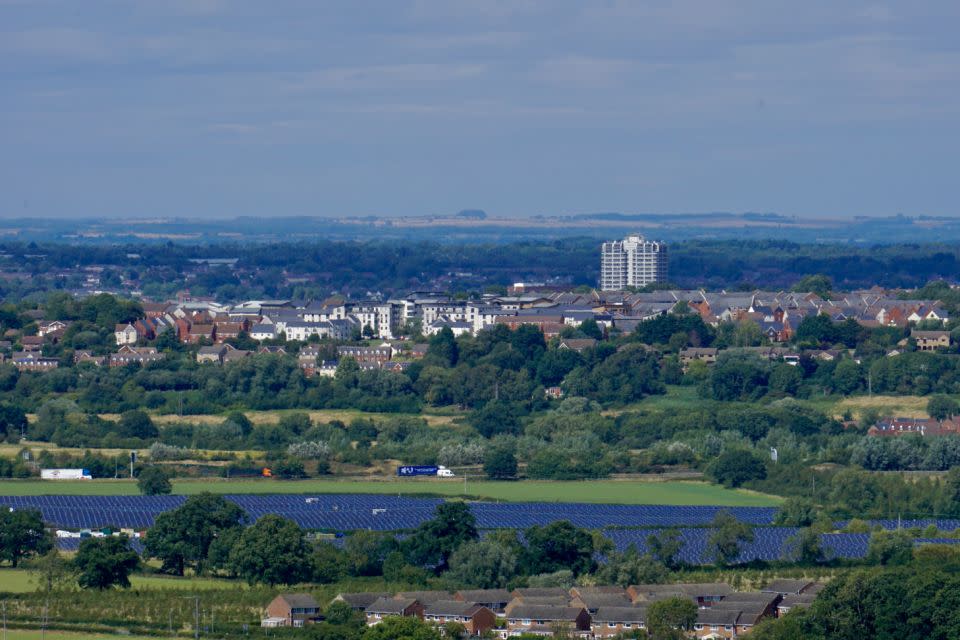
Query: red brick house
column 291, row 610
column 544, row 619
column 387, row 607
column 476, row 618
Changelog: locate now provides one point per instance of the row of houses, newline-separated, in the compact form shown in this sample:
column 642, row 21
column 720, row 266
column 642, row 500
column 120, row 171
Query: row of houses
column 900, row 426
column 582, row 612
column 778, row 313
column 924, row 341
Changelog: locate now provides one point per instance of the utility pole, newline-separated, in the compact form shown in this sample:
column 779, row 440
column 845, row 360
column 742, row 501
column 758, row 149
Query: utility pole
column 4, row 620
column 43, row 625
column 196, row 615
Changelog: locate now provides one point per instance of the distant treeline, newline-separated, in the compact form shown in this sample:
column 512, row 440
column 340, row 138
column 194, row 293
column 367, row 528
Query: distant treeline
column 396, row 266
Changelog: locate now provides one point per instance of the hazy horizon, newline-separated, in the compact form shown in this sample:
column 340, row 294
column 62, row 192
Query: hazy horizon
column 208, row 109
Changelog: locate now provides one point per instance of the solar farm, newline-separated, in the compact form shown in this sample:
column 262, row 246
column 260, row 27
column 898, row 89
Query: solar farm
column 624, row 525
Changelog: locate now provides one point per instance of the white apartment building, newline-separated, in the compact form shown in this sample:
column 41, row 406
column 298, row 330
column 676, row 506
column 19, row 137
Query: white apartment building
column 632, row 262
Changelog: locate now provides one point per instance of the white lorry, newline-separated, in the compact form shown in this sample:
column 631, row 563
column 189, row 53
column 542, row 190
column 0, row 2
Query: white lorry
column 65, row 474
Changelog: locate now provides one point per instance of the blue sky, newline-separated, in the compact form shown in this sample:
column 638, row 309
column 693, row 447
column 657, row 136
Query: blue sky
column 216, row 108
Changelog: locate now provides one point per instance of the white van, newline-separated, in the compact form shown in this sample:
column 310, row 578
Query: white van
column 443, row 472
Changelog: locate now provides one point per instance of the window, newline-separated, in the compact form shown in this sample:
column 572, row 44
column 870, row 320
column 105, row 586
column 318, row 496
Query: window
column 698, row 627
column 612, row 625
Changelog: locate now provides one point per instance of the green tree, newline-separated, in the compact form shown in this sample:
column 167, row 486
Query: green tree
column 785, row 379
column 890, row 548
column 272, row 551
column 366, row 551
column 665, row 547
column 182, row 537
column 482, row 564
column 747, row 333
column 951, row 492
column 341, row 613
column 818, row 284
column 738, row 376
column 329, row 563
column 105, row 562
column 443, row 349
column 733, row 468
column 847, row 377
column 13, row 422
column 671, row 618
column 723, row 545
column 397, row 628
column 500, row 463
column 805, row 547
column 796, row 512
column 435, row 540
column 495, row 418
column 136, row 424
column 239, row 422
column 941, row 407
column 154, row 481
column 591, row 329
column 632, row 567
column 22, row 534
column 53, row 571
column 818, row 329
column 558, row 545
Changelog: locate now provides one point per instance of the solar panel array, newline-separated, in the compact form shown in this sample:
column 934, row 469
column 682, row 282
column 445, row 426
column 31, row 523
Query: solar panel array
column 622, row 524
column 348, row 512
column 942, row 525
column 770, row 544
column 73, row 544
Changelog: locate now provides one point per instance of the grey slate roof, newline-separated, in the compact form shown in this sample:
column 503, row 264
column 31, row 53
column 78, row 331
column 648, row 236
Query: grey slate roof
column 544, row 612
column 633, row 615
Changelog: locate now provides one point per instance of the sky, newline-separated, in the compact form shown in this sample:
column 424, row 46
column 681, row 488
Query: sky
column 220, row 108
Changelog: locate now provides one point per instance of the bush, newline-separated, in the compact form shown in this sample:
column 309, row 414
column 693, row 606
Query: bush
column 734, row 468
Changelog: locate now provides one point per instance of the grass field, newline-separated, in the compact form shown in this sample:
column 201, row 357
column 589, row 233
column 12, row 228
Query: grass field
column 597, row 491
column 911, row 406
column 36, row 634
column 24, row 581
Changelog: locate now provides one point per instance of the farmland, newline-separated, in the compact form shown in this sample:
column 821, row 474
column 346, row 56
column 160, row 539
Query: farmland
column 24, row 581
column 592, row 491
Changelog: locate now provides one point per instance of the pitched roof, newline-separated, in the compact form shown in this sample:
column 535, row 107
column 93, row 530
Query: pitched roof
column 425, row 597
column 484, row 595
column 540, row 592
column 621, row 614
column 718, row 616
column 391, row 605
column 299, row 600
column 785, row 586
column 544, row 612
column 361, row 600
column 451, row 608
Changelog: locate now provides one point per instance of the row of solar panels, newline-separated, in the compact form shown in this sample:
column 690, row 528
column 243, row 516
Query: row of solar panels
column 378, row 512
column 770, row 544
column 347, row 512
